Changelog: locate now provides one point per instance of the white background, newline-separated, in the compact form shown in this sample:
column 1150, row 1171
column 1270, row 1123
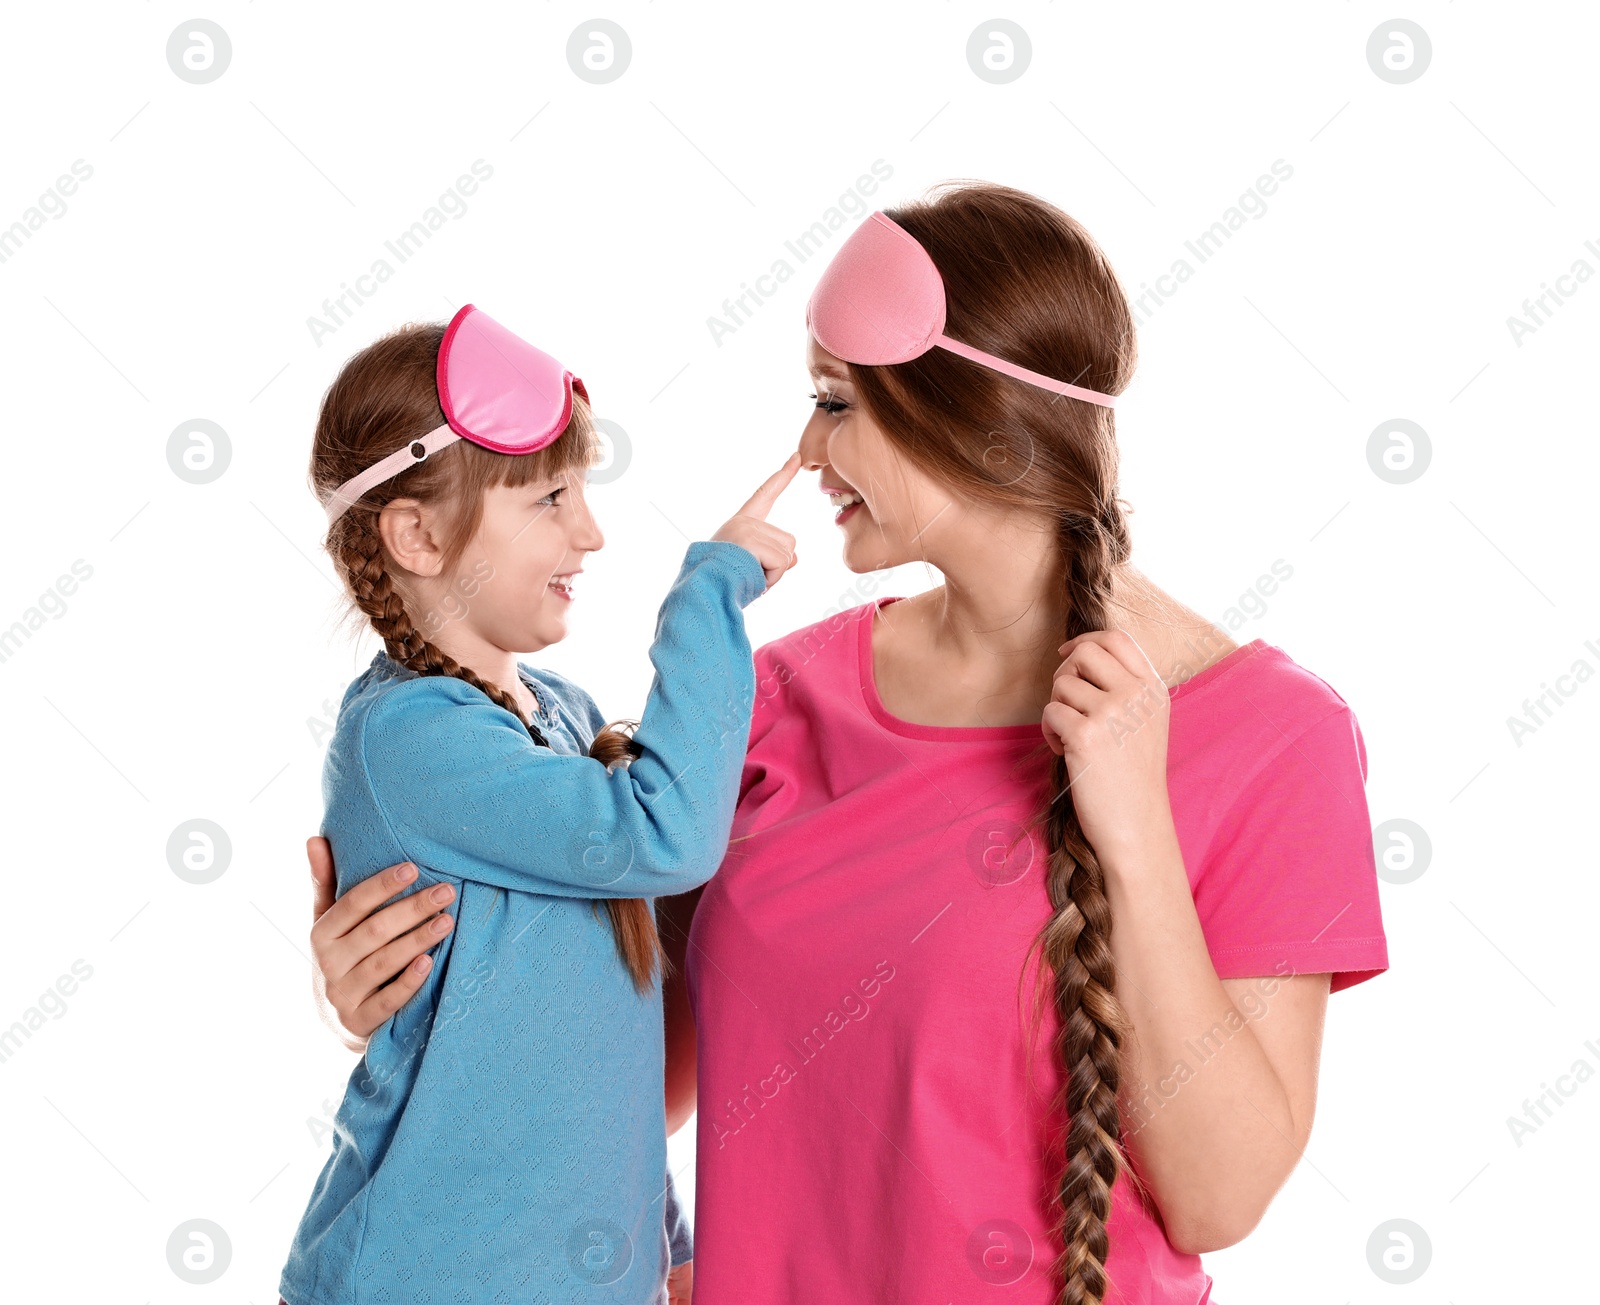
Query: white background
column 182, row 679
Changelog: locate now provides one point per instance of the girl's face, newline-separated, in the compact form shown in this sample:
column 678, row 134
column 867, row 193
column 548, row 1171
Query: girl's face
column 512, row 588
column 528, row 551
column 891, row 511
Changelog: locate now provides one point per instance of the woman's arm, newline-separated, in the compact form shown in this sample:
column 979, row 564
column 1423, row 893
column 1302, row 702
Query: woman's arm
column 1213, row 1139
column 366, row 963
column 674, row 915
column 1214, row 1132
column 357, row 949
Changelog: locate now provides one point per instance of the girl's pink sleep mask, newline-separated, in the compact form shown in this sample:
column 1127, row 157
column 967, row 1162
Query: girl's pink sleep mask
column 881, row 300
column 495, row 389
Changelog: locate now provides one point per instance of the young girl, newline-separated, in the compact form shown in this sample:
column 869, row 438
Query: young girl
column 504, row 1136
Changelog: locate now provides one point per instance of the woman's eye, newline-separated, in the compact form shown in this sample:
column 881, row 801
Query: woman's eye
column 830, row 404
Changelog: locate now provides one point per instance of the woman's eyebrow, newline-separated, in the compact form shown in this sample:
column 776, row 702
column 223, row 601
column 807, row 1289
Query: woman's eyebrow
column 829, row 369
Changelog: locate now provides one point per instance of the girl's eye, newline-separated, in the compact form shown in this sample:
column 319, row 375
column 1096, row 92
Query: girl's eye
column 549, row 500
column 831, row 405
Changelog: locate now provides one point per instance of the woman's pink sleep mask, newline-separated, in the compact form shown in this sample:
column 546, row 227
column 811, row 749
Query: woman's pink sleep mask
column 881, row 300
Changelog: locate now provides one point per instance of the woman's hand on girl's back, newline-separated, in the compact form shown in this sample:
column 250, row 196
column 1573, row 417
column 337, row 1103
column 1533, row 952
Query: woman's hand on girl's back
column 749, row 527
column 680, row 1283
column 356, row 948
column 1108, row 716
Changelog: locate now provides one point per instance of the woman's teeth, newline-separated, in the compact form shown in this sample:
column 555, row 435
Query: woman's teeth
column 844, row 500
column 563, row 585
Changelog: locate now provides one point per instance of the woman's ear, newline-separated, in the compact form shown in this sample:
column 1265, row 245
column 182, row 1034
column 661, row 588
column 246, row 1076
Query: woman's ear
column 409, row 530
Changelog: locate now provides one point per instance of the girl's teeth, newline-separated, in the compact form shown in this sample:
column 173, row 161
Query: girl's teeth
column 844, row 500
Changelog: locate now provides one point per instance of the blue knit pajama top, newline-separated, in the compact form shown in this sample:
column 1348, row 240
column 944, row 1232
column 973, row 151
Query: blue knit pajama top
column 504, row 1137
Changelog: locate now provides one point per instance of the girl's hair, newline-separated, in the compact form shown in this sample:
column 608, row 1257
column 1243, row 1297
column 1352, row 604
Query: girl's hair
column 384, row 396
column 1028, row 283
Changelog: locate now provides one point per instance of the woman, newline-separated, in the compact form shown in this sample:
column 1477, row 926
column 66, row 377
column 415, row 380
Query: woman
column 1013, row 978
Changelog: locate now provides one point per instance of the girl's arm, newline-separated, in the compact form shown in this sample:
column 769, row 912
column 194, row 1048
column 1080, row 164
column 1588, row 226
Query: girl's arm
column 368, row 962
column 467, row 794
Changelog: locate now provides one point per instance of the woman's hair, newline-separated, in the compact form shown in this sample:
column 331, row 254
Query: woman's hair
column 1026, row 282
column 384, row 396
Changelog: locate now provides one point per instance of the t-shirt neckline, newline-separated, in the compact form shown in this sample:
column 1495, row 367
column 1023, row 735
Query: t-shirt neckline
column 911, row 729
column 985, row 733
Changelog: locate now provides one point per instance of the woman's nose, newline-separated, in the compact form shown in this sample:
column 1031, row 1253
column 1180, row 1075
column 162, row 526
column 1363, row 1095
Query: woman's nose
column 813, row 446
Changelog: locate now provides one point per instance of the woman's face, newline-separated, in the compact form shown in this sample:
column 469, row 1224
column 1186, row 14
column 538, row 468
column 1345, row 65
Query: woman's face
column 903, row 514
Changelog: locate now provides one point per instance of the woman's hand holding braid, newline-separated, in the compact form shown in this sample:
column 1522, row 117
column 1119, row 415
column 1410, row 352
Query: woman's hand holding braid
column 1108, row 715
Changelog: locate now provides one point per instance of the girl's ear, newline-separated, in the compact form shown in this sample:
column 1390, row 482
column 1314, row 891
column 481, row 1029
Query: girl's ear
column 409, row 530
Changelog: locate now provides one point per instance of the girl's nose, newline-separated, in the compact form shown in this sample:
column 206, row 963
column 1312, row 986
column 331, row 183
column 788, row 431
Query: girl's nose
column 588, row 536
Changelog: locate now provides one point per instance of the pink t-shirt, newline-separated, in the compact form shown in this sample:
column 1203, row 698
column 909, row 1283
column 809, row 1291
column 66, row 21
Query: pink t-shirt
column 866, row 1129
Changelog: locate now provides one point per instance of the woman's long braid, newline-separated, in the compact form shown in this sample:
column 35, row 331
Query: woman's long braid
column 1025, row 281
column 1077, row 946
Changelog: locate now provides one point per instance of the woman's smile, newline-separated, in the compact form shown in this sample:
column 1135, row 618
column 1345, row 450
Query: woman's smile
column 846, row 500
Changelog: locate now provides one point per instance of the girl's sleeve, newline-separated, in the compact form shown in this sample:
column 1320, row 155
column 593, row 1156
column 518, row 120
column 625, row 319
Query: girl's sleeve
column 467, row 794
column 1290, row 885
column 679, row 1235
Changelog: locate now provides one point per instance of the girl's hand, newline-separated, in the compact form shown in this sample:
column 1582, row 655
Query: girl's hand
column 355, row 952
column 749, row 527
column 680, row 1283
column 1108, row 716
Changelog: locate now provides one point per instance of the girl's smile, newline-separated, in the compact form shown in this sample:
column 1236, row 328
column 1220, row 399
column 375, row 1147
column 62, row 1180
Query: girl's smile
column 561, row 585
